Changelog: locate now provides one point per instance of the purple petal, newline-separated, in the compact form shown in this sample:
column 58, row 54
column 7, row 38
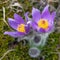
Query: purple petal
column 29, row 22
column 36, row 14
column 18, row 18
column 51, row 21
column 50, row 29
column 26, row 16
column 14, row 34
column 27, row 28
column 34, row 26
column 46, row 13
column 53, row 15
column 12, row 23
column 41, row 30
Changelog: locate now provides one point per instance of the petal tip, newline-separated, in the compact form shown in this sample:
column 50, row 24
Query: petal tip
column 5, row 33
column 47, row 6
column 26, row 13
column 10, row 19
column 33, row 8
column 15, row 14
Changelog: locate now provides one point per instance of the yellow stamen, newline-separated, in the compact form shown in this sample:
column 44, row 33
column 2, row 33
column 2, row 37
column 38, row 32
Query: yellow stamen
column 21, row 28
column 43, row 24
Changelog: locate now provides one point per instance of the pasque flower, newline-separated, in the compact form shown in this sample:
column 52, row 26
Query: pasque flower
column 21, row 27
column 43, row 22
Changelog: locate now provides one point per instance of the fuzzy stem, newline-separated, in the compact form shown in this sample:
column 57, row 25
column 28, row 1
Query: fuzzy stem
column 6, row 53
column 4, row 16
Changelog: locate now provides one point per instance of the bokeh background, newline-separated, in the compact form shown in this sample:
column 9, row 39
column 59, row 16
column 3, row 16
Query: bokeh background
column 51, row 50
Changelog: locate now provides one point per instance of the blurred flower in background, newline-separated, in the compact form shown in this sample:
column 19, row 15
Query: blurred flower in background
column 34, row 52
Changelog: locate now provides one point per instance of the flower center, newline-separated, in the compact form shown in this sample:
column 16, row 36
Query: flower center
column 21, row 28
column 43, row 24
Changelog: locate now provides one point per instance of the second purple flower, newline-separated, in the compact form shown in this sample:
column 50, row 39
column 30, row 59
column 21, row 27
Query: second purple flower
column 43, row 22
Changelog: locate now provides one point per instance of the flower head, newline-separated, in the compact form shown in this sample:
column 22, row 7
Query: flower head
column 43, row 22
column 34, row 52
column 21, row 27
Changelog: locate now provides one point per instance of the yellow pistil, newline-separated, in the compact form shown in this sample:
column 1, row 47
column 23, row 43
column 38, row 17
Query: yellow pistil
column 21, row 28
column 43, row 24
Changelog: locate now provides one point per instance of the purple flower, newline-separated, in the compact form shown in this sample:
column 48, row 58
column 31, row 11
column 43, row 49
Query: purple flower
column 21, row 27
column 43, row 22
